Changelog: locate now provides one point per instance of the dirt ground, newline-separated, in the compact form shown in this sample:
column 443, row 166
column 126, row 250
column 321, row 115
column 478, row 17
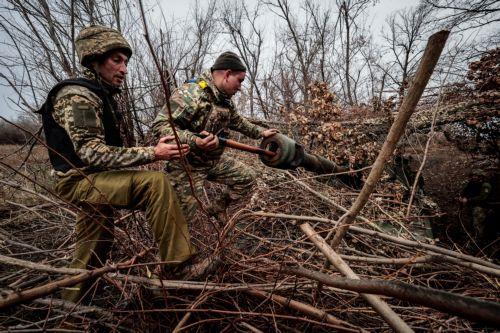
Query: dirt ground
column 445, row 175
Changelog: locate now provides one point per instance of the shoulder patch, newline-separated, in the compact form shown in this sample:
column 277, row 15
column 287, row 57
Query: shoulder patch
column 202, row 84
column 84, row 116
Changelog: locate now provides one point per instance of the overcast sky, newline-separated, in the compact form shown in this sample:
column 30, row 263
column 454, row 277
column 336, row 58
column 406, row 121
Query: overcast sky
column 179, row 10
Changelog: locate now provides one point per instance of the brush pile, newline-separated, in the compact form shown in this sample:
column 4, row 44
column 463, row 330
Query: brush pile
column 263, row 284
column 278, row 271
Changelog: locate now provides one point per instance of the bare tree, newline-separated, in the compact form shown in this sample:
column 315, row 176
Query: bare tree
column 407, row 30
column 205, row 31
column 350, row 13
column 462, row 15
column 240, row 23
column 303, row 44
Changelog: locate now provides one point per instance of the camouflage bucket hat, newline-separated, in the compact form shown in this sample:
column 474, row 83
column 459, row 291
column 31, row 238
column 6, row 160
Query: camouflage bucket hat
column 96, row 40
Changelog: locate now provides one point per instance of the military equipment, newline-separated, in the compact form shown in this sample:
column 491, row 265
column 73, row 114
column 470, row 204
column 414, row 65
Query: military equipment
column 291, row 155
column 95, row 41
column 281, row 152
column 240, row 146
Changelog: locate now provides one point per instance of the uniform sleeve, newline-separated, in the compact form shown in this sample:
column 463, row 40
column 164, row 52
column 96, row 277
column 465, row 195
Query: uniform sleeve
column 81, row 118
column 242, row 125
column 184, row 109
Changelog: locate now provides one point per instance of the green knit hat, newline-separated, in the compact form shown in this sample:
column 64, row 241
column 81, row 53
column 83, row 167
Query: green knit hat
column 229, row 60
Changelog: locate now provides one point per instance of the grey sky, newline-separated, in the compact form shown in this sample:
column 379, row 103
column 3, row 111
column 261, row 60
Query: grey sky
column 179, row 10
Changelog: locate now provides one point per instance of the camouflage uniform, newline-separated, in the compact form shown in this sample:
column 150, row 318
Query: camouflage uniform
column 202, row 106
column 79, row 114
column 478, row 192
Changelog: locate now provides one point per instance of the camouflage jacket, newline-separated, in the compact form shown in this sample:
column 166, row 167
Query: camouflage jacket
column 79, row 111
column 202, row 106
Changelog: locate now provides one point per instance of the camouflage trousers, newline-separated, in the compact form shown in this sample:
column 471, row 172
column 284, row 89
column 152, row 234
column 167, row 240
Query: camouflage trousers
column 479, row 215
column 99, row 193
column 238, row 177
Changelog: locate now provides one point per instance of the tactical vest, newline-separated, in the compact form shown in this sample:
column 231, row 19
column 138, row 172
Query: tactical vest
column 62, row 153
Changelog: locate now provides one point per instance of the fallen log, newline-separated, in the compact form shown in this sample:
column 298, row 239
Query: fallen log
column 464, row 306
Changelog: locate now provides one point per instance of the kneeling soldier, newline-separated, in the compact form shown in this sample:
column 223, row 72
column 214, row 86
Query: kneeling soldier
column 205, row 106
column 80, row 120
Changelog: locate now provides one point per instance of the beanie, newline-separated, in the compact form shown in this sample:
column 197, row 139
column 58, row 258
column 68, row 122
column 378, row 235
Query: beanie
column 229, row 60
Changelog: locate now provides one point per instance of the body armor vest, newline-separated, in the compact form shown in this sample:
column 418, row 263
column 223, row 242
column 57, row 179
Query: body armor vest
column 61, row 150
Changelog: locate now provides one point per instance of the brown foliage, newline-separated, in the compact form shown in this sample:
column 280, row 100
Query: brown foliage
column 485, row 73
column 318, row 127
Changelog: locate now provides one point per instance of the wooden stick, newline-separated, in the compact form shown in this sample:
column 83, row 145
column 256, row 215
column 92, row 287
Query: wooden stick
column 167, row 284
column 463, row 306
column 380, row 306
column 429, row 60
column 394, row 239
column 250, row 327
column 307, row 309
column 46, row 289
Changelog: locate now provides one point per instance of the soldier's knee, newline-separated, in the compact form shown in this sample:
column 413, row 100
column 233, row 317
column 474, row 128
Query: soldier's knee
column 159, row 181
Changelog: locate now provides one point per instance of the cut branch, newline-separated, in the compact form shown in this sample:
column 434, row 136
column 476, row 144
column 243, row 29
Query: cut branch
column 429, row 60
column 341, row 325
column 380, row 306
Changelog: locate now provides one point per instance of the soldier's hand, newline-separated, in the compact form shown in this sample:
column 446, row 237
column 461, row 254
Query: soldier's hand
column 268, row 132
column 211, row 142
column 169, row 151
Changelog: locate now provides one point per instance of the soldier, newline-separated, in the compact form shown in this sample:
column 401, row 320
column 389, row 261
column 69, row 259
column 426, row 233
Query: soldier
column 481, row 197
column 80, row 121
column 205, row 106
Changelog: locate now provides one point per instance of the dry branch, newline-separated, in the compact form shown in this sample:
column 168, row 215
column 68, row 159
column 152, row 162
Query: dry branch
column 307, row 309
column 433, row 249
column 27, row 295
column 429, row 60
column 380, row 306
column 464, row 306
column 167, row 284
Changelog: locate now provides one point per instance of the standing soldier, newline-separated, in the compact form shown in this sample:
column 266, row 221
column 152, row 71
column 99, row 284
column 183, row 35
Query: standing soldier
column 80, row 121
column 205, row 106
column 481, row 196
